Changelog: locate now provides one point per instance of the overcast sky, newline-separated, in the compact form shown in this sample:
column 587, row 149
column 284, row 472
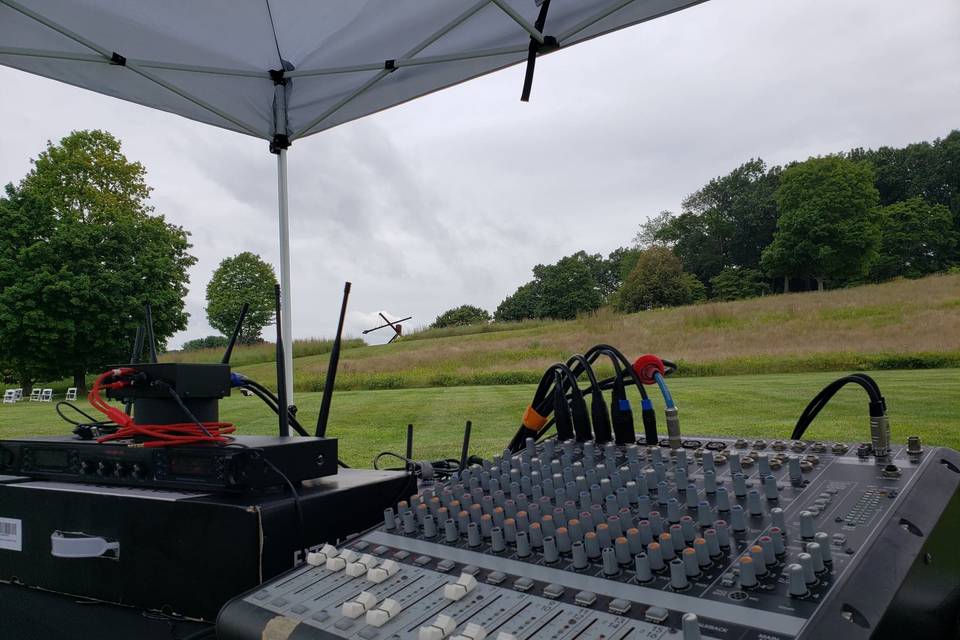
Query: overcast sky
column 453, row 198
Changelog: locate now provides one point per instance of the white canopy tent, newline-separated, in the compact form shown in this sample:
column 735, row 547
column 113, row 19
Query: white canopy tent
column 285, row 69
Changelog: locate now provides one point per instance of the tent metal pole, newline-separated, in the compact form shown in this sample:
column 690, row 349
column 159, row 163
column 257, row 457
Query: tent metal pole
column 284, row 216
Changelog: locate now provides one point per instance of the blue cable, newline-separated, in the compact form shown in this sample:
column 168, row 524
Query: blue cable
column 663, row 389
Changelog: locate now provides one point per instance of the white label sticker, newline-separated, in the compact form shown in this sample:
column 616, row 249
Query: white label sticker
column 11, row 534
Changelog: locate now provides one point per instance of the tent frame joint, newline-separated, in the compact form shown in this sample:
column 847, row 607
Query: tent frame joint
column 278, row 142
column 117, row 59
column 390, row 65
column 277, row 75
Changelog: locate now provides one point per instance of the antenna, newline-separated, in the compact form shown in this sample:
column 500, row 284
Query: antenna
column 466, row 445
column 236, row 334
column 332, row 368
column 151, row 339
column 134, row 358
column 281, row 373
column 409, row 451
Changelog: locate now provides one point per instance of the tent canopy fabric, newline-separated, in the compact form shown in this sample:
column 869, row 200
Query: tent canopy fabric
column 211, row 61
column 284, row 69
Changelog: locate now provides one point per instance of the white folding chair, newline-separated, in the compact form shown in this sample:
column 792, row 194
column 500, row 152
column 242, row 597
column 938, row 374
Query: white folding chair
column 9, row 396
column 35, row 395
column 72, row 393
column 19, row 393
column 47, row 395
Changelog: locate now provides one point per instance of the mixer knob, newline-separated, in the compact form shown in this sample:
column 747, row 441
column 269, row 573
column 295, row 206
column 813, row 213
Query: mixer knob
column 579, row 556
column 691, row 627
column 641, row 565
column 103, row 469
column 678, row 575
column 523, row 544
column 621, row 549
column 723, row 499
column 710, row 482
column 591, row 544
column 609, row 560
column 778, row 519
column 429, row 527
column 769, row 555
column 748, row 575
column 735, row 465
column 763, row 465
column 753, row 503
column 723, row 533
column 816, row 557
column 759, row 562
column 655, row 556
column 806, row 525
column 667, row 546
column 703, row 555
column 796, row 474
column 805, row 560
column 713, row 542
column 673, row 510
column 739, row 485
column 779, row 548
column 473, row 535
column 692, row 497
column 550, row 552
column 704, row 514
column 770, row 488
column 798, row 586
column 691, row 567
column 738, row 521
column 823, row 540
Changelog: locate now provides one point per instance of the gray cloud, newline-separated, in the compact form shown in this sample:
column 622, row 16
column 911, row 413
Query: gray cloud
column 452, row 198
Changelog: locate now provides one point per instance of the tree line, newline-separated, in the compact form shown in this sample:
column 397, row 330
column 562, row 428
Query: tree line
column 860, row 216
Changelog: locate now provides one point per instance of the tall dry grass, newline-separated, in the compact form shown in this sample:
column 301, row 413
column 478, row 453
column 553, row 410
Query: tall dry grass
column 899, row 324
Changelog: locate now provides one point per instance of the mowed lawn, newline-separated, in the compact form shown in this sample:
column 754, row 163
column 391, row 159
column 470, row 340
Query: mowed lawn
column 920, row 402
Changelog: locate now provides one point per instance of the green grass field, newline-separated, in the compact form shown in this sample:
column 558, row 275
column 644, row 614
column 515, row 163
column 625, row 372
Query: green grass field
column 921, row 402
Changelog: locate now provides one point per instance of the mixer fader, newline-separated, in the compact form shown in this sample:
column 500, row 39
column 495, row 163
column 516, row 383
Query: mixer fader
column 712, row 539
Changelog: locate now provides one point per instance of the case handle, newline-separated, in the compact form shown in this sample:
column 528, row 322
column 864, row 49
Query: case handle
column 76, row 544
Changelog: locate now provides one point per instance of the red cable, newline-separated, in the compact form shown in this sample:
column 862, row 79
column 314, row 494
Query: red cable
column 158, row 435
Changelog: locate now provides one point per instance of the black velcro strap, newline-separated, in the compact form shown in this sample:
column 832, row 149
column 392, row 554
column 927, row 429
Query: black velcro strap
column 117, row 59
column 390, row 65
column 549, row 44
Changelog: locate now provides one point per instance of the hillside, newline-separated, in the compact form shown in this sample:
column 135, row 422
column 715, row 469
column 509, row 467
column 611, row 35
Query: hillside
column 900, row 324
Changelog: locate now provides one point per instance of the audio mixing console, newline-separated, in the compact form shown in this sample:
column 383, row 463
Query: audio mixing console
column 715, row 539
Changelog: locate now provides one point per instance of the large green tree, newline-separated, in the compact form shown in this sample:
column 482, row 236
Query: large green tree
column 520, row 305
column 577, row 283
column 569, row 287
column 827, row 228
column 726, row 223
column 735, row 284
column 242, row 278
column 465, row 314
column 927, row 170
column 81, row 252
column 657, row 280
column 916, row 238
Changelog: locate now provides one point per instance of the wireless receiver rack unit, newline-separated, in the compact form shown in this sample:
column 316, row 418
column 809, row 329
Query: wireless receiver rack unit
column 170, row 435
column 245, row 463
